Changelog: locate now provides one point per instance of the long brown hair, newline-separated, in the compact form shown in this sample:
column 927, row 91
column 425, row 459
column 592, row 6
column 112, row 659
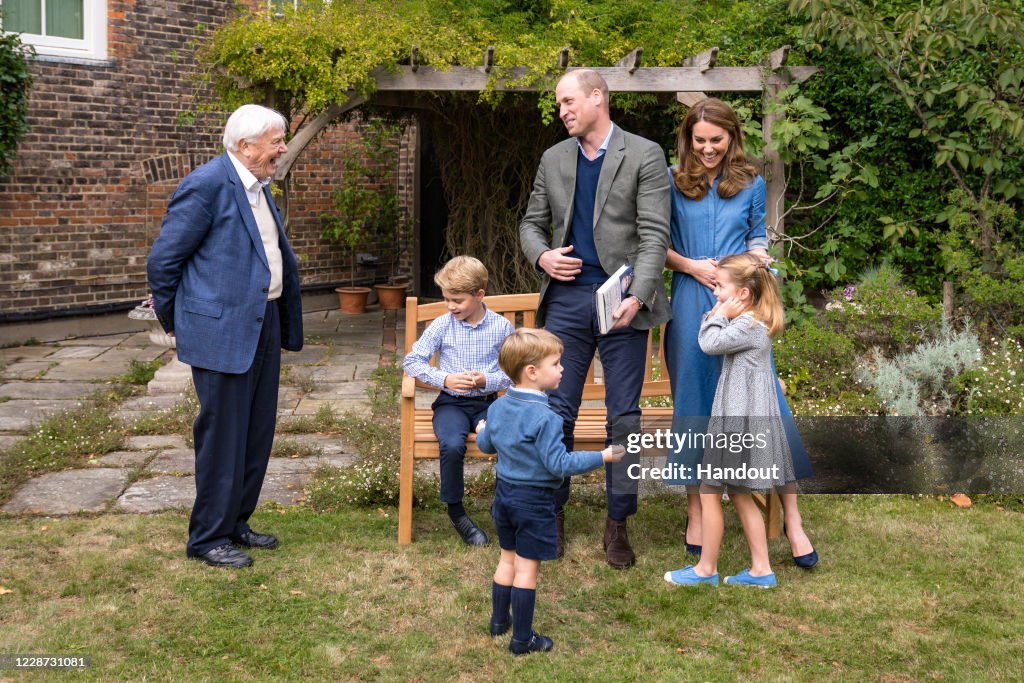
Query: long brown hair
column 736, row 171
column 747, row 270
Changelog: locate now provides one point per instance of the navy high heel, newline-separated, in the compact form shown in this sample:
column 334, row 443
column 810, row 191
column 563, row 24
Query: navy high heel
column 692, row 549
column 803, row 561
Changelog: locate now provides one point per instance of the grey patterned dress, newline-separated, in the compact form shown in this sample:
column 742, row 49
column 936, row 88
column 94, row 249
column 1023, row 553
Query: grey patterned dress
column 746, row 443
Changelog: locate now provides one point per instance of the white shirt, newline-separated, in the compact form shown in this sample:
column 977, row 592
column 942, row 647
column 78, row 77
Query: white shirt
column 265, row 222
column 253, row 185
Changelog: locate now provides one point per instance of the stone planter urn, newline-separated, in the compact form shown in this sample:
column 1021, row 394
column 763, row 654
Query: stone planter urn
column 156, row 332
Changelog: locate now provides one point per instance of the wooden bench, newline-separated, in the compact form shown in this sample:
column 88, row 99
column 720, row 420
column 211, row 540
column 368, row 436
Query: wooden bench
column 418, row 440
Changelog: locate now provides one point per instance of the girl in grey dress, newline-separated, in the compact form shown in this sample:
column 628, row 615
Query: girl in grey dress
column 745, row 444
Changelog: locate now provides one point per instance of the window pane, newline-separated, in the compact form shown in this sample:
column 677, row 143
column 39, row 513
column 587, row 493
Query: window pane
column 22, row 16
column 64, row 18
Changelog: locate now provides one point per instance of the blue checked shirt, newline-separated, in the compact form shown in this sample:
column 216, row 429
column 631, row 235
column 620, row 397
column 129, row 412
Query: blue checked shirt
column 462, row 347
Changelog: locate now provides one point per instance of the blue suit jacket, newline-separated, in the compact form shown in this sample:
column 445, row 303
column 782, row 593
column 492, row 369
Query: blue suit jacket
column 209, row 276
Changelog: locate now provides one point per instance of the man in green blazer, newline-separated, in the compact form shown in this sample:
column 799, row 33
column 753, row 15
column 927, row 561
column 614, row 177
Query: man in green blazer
column 600, row 200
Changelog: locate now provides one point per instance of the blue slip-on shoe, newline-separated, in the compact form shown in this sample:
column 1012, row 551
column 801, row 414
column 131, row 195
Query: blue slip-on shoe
column 688, row 577
column 744, row 578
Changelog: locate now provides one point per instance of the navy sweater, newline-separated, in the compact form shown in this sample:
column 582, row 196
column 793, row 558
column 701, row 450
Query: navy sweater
column 581, row 231
column 527, row 436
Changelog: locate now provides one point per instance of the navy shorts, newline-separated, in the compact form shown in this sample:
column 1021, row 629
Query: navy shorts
column 524, row 517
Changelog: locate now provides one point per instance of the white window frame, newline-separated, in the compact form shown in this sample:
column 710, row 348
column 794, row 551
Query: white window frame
column 92, row 45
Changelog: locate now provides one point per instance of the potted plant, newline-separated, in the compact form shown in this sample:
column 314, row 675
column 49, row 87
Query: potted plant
column 366, row 206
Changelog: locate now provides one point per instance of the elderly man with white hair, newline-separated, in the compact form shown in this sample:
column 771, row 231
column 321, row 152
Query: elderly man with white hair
column 225, row 283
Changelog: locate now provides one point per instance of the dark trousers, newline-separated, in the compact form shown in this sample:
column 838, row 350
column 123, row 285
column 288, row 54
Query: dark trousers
column 570, row 314
column 454, row 418
column 233, row 436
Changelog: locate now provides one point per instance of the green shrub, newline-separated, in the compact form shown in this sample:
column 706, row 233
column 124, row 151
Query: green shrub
column 987, row 266
column 921, row 382
column 814, row 360
column 879, row 312
column 370, row 482
column 996, row 386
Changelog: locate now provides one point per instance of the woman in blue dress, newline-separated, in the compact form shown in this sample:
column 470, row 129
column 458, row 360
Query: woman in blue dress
column 718, row 208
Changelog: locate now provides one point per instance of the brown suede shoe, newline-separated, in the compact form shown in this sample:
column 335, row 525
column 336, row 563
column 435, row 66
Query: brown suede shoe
column 616, row 545
column 560, row 525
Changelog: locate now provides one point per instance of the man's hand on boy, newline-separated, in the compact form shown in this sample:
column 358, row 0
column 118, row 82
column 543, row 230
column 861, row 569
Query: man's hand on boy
column 480, row 426
column 613, row 453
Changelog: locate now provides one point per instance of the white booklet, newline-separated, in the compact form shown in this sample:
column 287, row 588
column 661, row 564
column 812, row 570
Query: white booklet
column 610, row 295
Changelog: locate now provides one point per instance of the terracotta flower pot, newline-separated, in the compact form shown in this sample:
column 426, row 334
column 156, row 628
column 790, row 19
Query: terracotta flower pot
column 352, row 299
column 391, row 296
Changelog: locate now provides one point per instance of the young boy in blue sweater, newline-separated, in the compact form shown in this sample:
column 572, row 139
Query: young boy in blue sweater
column 532, row 461
column 467, row 373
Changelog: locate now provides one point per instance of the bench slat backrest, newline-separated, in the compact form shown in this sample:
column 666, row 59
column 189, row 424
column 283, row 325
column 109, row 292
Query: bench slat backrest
column 521, row 310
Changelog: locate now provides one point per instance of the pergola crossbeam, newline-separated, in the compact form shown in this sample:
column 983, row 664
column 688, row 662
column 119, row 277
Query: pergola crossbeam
column 620, row 79
column 398, row 86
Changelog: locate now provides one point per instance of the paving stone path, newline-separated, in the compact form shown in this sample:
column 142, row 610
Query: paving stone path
column 155, row 473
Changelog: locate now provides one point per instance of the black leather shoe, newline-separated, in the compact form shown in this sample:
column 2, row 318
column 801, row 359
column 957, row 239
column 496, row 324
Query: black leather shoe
column 500, row 628
column 537, row 643
column 225, row 555
column 251, row 539
column 471, row 534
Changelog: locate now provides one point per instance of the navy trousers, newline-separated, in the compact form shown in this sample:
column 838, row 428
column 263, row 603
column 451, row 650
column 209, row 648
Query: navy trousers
column 233, row 437
column 571, row 315
column 454, row 418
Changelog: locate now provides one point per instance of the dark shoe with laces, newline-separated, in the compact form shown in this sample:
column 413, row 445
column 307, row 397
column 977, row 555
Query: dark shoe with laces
column 251, row 539
column 560, row 526
column 471, row 534
column 500, row 628
column 616, row 545
column 225, row 555
column 537, row 643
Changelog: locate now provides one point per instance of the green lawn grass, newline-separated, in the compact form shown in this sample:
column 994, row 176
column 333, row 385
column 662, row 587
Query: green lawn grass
column 908, row 589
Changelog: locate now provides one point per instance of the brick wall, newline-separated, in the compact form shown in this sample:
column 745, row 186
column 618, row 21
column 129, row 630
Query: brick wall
column 84, row 202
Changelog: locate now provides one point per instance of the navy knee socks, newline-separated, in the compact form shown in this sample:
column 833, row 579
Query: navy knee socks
column 523, row 602
column 501, row 600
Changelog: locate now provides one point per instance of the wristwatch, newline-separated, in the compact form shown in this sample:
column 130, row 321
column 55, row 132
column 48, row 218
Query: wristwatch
column 641, row 301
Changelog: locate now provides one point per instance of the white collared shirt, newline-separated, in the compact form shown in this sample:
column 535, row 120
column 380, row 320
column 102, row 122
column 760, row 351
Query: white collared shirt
column 265, row 223
column 253, row 185
column 604, row 145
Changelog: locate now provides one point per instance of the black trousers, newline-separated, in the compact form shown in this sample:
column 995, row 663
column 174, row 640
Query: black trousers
column 233, row 437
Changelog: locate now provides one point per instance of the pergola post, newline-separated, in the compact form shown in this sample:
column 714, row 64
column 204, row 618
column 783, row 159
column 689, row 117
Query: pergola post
column 774, row 171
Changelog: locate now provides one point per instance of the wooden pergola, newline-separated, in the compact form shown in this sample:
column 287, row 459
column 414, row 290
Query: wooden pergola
column 690, row 81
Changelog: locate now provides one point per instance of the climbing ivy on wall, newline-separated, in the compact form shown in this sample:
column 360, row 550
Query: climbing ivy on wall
column 15, row 83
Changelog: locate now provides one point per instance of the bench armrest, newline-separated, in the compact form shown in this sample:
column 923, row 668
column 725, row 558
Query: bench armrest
column 408, row 387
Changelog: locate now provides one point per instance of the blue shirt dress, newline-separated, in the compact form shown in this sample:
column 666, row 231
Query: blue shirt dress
column 712, row 227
